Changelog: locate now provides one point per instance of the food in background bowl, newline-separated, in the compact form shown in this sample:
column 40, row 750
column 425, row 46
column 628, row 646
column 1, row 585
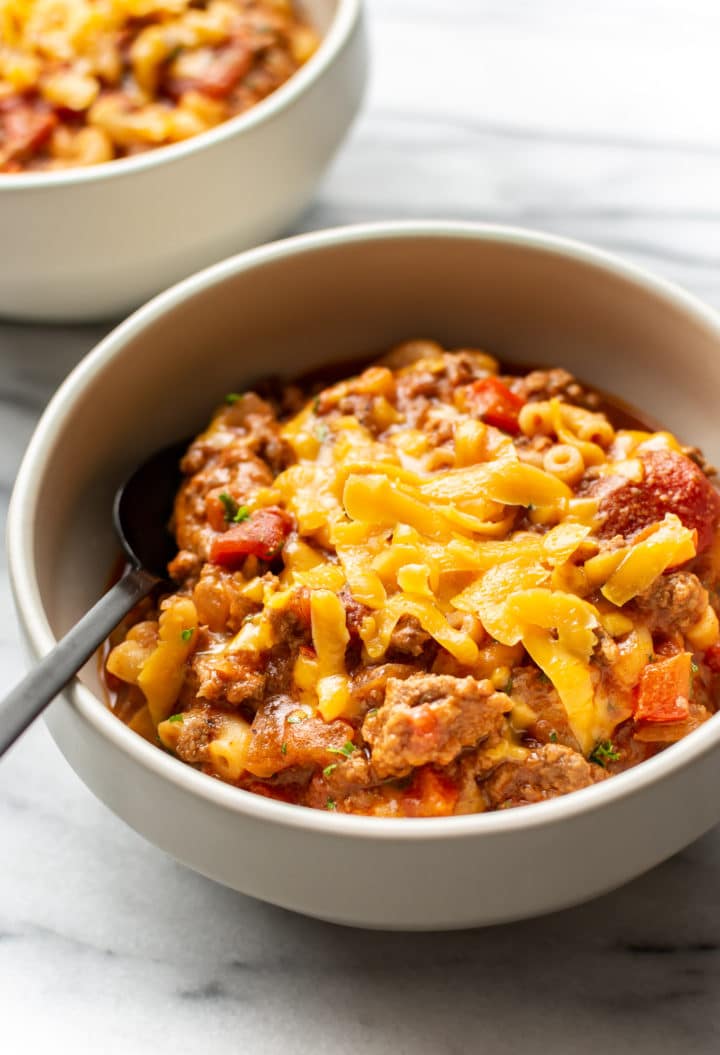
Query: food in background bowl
column 428, row 590
column 169, row 211
column 87, row 81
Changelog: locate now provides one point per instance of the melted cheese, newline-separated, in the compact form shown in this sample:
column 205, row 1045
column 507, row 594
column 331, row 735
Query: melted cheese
column 668, row 545
column 162, row 675
column 408, row 536
column 330, row 637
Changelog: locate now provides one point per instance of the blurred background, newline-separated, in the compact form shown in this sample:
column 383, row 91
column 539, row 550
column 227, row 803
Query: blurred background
column 592, row 120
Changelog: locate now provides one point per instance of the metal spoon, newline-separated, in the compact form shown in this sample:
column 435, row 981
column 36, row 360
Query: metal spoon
column 140, row 513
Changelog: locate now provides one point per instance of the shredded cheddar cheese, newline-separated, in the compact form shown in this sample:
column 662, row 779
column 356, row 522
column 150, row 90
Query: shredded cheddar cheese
column 479, row 524
column 410, row 532
column 400, row 537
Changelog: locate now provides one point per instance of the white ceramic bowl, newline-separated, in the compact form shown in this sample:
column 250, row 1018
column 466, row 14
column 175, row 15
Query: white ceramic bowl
column 284, row 308
column 92, row 243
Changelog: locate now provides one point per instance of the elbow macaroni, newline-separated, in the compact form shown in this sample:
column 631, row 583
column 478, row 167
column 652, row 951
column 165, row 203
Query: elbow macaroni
column 86, row 81
column 493, row 558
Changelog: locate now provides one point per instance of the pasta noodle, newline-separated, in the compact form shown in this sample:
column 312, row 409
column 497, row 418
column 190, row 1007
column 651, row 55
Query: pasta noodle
column 565, row 462
column 429, row 588
column 86, row 81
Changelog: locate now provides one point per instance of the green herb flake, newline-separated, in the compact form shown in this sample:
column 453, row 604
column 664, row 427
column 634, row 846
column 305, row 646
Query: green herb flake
column 242, row 513
column 329, row 769
column 553, row 737
column 316, row 404
column 187, row 633
column 331, row 804
column 176, row 718
column 694, row 667
column 604, row 752
column 530, row 507
column 373, row 710
column 232, row 397
column 651, row 658
column 321, row 433
column 297, row 716
column 231, row 506
column 346, row 750
column 283, row 749
column 508, row 688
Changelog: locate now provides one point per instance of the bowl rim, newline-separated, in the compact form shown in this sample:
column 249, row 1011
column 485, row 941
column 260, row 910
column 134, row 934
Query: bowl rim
column 92, row 710
column 345, row 19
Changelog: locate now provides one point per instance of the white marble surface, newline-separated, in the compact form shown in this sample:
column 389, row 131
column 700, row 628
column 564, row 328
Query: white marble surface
column 597, row 120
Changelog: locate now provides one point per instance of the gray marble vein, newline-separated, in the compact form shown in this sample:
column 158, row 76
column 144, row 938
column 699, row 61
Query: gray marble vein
column 591, row 120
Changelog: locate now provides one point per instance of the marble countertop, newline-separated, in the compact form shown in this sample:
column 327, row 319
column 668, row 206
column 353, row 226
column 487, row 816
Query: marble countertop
column 595, row 120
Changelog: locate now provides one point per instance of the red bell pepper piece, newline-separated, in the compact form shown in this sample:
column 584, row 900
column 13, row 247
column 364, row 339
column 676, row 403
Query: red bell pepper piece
column 262, row 535
column 664, row 691
column 430, row 794
column 496, row 404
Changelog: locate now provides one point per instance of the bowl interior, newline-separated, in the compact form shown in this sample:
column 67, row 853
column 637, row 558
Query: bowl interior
column 284, row 311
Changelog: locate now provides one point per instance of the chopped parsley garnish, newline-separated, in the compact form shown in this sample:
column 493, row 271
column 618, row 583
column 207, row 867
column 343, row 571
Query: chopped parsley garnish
column 297, row 716
column 373, row 710
column 329, row 769
column 542, row 676
column 321, row 433
column 604, row 752
column 553, row 737
column 241, row 514
column 283, row 749
column 530, row 507
column 231, row 506
column 694, row 667
column 232, row 397
column 508, row 688
column 347, row 749
column 651, row 657
column 176, row 718
column 330, row 804
column 187, row 633
column 316, row 404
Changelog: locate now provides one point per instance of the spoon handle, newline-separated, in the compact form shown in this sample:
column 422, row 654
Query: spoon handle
column 43, row 683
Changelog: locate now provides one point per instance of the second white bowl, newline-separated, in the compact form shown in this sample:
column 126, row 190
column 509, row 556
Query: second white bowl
column 91, row 243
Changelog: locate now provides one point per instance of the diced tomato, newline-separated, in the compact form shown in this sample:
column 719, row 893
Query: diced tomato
column 496, row 404
column 712, row 658
column 24, row 129
column 664, row 691
column 672, row 483
column 431, row 794
column 213, row 71
column 263, row 536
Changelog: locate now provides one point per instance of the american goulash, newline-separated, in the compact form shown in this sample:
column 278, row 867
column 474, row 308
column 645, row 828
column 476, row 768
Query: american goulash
column 86, row 81
column 427, row 590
